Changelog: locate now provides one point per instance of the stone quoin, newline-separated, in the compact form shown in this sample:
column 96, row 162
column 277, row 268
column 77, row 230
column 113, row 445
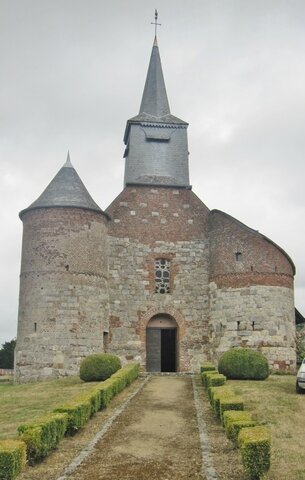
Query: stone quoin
column 157, row 277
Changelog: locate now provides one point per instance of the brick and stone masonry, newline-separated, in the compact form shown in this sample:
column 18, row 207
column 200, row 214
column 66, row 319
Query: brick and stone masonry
column 89, row 281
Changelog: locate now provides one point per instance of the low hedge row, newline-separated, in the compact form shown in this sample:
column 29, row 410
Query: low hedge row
column 43, row 435
column 12, row 458
column 39, row 438
column 254, row 441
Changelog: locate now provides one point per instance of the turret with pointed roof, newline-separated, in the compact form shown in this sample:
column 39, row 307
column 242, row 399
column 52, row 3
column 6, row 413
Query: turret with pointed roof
column 156, row 141
column 65, row 190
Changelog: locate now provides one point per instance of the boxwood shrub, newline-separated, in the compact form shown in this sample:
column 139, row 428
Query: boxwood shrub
column 243, row 363
column 207, row 367
column 217, row 393
column 99, row 366
column 12, row 458
column 206, row 375
column 255, row 447
column 231, row 403
column 230, row 416
column 78, row 411
column 43, row 435
column 216, row 380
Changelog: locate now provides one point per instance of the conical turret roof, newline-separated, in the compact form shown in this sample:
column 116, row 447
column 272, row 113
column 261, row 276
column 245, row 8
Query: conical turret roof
column 65, row 190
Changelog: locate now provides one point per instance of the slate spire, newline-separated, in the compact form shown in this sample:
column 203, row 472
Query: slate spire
column 156, row 141
column 65, row 190
column 154, row 99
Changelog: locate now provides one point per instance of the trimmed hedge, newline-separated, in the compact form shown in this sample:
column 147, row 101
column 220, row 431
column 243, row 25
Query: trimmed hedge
column 255, row 444
column 216, row 393
column 78, row 411
column 12, row 458
column 234, row 428
column 243, row 364
column 116, row 383
column 230, row 416
column 255, row 447
column 231, row 403
column 207, row 367
column 99, row 366
column 206, row 375
column 43, row 435
column 93, row 397
column 216, row 380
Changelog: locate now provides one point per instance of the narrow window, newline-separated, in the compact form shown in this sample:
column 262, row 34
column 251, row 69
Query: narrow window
column 275, row 269
column 162, row 270
column 35, row 327
column 238, row 324
column 105, row 341
column 238, row 256
column 252, row 268
column 253, row 325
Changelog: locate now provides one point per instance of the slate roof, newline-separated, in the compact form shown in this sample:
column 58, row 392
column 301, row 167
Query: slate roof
column 65, row 190
column 154, row 106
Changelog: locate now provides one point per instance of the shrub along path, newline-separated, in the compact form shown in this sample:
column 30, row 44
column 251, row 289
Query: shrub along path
column 156, row 437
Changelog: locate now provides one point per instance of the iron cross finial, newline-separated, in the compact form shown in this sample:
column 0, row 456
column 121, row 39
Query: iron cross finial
column 155, row 23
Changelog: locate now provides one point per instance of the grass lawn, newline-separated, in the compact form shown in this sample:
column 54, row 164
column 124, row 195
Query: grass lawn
column 275, row 402
column 23, row 403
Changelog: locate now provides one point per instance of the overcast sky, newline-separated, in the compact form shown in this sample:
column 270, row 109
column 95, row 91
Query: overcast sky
column 73, row 71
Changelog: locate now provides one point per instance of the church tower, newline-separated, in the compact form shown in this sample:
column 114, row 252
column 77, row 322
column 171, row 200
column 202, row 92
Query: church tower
column 159, row 256
column 156, row 141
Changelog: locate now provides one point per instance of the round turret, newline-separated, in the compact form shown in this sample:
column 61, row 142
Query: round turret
column 63, row 305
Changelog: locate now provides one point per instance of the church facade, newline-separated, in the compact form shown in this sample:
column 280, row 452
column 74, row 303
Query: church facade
column 157, row 277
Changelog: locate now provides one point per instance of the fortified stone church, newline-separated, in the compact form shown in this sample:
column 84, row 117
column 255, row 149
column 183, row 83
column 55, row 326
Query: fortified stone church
column 157, row 277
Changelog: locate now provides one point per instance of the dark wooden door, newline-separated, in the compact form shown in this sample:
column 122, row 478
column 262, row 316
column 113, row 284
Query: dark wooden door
column 153, row 349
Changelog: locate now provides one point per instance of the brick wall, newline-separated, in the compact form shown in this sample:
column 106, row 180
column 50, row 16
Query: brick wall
column 260, row 262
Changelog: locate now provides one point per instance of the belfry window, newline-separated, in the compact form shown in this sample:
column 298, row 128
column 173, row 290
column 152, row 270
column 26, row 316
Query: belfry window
column 162, row 273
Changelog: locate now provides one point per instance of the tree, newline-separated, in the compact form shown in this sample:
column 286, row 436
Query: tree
column 7, row 354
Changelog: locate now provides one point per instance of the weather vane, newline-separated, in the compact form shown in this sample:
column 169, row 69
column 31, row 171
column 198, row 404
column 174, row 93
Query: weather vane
column 155, row 23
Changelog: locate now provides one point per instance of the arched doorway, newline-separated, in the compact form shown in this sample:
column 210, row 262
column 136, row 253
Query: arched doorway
column 161, row 344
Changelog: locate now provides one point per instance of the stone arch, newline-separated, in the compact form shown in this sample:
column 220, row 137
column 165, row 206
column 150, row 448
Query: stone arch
column 178, row 321
column 163, row 310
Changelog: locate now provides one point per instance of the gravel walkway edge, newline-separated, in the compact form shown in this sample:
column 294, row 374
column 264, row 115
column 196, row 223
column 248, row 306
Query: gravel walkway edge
column 208, row 469
column 90, row 446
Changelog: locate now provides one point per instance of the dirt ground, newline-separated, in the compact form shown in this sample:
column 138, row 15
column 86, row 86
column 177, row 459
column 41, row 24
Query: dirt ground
column 156, row 437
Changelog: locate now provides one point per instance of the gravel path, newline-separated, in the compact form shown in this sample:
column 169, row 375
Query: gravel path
column 156, row 437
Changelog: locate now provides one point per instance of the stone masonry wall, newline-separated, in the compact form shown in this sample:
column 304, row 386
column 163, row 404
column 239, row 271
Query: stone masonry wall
column 149, row 223
column 63, row 307
column 259, row 317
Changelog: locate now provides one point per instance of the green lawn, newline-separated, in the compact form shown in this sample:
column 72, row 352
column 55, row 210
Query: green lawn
column 23, row 403
column 275, row 402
